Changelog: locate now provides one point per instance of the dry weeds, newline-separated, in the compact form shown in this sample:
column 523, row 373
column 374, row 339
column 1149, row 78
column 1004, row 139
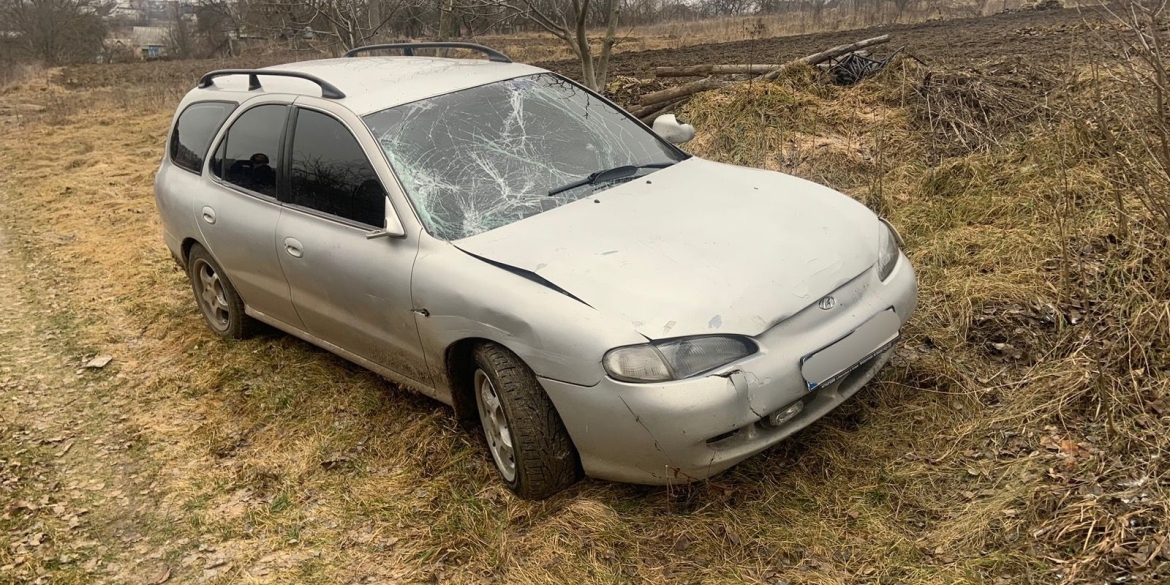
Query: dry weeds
column 1019, row 435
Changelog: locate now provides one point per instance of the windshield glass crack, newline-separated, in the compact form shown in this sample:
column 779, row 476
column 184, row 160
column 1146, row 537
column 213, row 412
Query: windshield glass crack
column 485, row 157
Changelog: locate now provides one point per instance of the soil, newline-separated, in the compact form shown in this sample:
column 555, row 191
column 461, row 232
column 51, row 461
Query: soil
column 1048, row 36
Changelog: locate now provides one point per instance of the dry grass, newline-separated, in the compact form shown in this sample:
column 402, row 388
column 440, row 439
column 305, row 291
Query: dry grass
column 1019, row 435
column 1034, row 314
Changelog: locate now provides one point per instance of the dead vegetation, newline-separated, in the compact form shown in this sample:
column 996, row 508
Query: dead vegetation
column 975, row 109
column 1019, row 436
column 1037, row 317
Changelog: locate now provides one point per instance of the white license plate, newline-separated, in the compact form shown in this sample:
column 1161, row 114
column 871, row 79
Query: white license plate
column 835, row 361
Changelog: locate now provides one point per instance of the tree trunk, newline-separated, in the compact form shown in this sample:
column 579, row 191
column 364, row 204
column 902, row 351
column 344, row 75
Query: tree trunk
column 698, row 70
column 584, row 51
column 826, row 55
column 446, row 19
column 712, row 83
column 602, row 71
column 648, row 113
column 375, row 19
column 742, row 69
column 683, row 90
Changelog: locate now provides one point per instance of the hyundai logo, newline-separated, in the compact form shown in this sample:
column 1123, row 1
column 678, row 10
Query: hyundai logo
column 827, row 303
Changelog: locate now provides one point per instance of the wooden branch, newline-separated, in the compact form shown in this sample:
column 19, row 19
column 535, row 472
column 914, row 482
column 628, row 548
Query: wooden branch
column 826, row 55
column 696, row 70
column 683, row 90
column 742, row 69
column 709, row 83
column 528, row 10
column 648, row 113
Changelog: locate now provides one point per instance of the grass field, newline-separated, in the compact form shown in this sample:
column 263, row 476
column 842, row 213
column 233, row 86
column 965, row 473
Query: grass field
column 1019, row 435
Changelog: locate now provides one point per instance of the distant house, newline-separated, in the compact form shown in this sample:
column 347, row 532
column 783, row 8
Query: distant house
column 150, row 41
column 152, row 52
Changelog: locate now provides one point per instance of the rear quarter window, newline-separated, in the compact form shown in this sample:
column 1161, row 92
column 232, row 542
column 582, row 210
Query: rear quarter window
column 193, row 132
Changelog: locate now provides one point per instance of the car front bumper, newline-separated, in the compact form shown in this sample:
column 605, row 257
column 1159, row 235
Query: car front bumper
column 691, row 429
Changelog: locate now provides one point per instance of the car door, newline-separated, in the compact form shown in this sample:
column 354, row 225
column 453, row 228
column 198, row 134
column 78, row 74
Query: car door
column 237, row 211
column 350, row 282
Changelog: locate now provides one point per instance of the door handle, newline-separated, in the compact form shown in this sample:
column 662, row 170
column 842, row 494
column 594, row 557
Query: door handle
column 208, row 215
column 293, row 248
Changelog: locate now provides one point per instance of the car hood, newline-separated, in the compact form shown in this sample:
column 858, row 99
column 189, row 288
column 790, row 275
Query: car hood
column 697, row 248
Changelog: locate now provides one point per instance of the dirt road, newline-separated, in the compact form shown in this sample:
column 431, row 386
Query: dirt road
column 79, row 491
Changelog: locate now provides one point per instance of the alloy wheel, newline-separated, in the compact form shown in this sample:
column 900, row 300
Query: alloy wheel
column 495, row 425
column 210, row 295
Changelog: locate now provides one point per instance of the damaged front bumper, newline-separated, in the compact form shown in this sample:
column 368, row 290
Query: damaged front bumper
column 686, row 430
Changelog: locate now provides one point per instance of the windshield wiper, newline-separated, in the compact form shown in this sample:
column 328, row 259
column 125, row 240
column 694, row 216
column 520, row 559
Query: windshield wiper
column 608, row 175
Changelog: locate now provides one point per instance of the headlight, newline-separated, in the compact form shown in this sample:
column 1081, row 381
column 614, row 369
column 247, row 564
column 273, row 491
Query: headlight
column 675, row 359
column 888, row 241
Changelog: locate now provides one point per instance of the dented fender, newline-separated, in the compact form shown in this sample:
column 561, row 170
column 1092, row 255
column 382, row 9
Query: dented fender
column 465, row 297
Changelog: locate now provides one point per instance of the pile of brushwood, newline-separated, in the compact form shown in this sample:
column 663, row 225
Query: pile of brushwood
column 845, row 65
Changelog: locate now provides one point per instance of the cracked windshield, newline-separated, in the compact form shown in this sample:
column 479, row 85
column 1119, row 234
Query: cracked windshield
column 485, row 157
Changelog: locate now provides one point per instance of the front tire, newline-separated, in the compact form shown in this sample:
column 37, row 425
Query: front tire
column 526, row 437
column 218, row 301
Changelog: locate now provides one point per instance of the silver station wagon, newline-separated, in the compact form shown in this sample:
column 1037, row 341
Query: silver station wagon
column 513, row 244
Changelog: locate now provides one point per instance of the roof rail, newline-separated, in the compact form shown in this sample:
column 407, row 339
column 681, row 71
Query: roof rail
column 328, row 90
column 409, row 48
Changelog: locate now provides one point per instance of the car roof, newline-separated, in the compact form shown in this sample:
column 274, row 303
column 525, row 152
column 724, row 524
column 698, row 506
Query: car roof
column 373, row 84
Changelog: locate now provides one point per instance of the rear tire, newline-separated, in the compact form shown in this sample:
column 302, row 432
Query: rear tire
column 217, row 299
column 526, row 437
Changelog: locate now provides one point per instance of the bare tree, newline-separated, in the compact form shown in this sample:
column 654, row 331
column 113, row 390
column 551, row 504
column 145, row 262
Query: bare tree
column 568, row 21
column 901, row 6
column 215, row 22
column 1143, row 111
column 342, row 24
column 180, row 38
column 55, row 31
column 352, row 22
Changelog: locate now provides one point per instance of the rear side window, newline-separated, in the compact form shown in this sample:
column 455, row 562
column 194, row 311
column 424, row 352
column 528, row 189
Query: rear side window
column 248, row 155
column 193, row 132
column 330, row 172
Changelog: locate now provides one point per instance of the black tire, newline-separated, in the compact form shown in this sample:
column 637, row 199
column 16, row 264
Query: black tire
column 224, row 315
column 545, row 460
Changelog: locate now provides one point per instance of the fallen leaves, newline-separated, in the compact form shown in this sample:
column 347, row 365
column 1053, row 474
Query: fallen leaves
column 1070, row 452
column 99, row 362
column 161, row 576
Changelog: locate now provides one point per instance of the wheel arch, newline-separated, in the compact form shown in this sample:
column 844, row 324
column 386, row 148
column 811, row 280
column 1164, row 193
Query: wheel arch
column 459, row 367
column 185, row 249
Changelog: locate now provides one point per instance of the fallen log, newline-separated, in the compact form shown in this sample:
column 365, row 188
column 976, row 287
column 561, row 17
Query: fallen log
column 648, row 113
column 826, row 55
column 698, row 70
column 670, row 93
column 644, row 111
column 704, row 70
column 710, row 83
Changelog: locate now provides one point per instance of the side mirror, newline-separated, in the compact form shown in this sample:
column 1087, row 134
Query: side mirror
column 393, row 227
column 671, row 130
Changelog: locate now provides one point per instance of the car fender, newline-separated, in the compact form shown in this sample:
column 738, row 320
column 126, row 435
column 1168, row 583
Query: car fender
column 458, row 296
